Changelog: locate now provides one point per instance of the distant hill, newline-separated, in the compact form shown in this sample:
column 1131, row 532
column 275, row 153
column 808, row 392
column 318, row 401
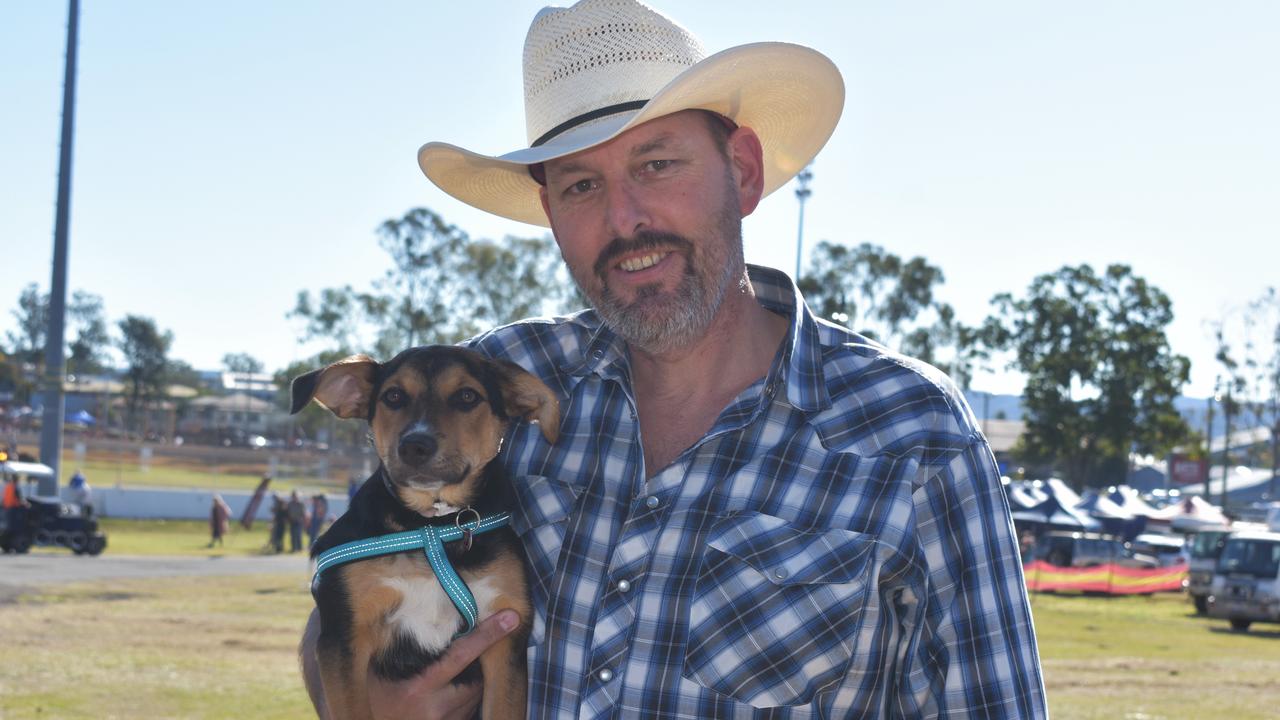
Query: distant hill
column 1192, row 409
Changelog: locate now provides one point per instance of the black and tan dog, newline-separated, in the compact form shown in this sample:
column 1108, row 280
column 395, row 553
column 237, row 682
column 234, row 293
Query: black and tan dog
column 438, row 415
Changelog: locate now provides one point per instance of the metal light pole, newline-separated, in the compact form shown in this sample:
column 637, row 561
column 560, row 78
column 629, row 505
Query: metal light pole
column 802, row 193
column 1208, row 434
column 54, row 352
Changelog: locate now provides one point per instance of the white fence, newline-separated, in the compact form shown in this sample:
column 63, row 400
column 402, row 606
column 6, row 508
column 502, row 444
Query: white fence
column 182, row 504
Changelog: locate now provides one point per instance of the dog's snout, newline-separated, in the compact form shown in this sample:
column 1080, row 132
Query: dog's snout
column 417, row 447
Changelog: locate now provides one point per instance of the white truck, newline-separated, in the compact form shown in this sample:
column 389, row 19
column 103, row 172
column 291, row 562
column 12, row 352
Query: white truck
column 1246, row 583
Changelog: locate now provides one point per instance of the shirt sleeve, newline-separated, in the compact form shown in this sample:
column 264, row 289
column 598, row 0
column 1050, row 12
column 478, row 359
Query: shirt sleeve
column 974, row 654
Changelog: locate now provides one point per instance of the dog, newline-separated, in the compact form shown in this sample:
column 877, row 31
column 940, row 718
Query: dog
column 437, row 415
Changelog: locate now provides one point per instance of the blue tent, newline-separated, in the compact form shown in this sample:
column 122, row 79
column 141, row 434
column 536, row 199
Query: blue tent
column 1115, row 520
column 1054, row 516
column 81, row 418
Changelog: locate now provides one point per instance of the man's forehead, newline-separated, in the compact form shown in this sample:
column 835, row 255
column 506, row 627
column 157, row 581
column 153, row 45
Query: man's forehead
column 656, row 134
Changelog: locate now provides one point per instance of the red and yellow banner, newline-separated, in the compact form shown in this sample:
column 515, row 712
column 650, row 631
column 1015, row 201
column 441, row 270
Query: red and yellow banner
column 1110, row 579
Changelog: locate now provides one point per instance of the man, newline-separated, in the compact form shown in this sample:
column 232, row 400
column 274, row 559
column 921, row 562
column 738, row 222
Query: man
column 296, row 514
column 15, row 506
column 748, row 508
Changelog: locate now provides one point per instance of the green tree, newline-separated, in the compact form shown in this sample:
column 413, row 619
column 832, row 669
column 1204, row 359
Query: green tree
column 1248, row 351
column 1101, row 377
column 27, row 344
column 442, row 286
column 89, row 347
column 891, row 300
column 241, row 363
column 146, row 355
column 1266, row 367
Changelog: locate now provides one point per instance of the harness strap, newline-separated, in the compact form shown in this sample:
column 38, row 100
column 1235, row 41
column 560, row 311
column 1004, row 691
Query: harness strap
column 430, row 539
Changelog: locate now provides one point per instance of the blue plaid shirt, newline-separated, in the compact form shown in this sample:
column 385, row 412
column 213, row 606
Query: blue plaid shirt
column 838, row 545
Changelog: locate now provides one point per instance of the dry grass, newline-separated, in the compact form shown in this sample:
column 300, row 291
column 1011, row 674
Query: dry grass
column 172, row 648
column 224, row 647
column 1152, row 657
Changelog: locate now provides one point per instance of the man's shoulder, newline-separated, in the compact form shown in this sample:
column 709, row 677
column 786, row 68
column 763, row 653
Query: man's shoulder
column 540, row 345
column 889, row 400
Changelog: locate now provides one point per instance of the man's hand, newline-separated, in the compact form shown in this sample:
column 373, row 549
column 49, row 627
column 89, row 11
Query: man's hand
column 429, row 696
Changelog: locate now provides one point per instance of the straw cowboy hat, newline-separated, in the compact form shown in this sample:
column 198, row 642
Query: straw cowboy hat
column 601, row 67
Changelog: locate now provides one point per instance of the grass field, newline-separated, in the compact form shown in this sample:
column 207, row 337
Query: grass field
column 224, row 647
column 177, row 537
column 1144, row 658
column 173, row 648
column 104, row 472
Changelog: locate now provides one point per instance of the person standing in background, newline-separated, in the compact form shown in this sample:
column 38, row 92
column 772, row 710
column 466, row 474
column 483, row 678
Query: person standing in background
column 319, row 513
column 219, row 520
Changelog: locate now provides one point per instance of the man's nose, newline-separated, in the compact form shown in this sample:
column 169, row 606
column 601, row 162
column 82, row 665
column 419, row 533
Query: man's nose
column 626, row 211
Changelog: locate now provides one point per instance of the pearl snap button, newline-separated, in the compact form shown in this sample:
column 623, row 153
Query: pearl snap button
column 651, row 502
column 780, row 574
column 624, row 586
column 605, row 675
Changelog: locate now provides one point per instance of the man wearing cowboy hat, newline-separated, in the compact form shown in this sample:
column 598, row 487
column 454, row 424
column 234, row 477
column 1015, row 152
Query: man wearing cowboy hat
column 749, row 508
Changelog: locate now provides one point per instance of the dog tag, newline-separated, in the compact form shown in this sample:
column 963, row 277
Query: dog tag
column 466, row 540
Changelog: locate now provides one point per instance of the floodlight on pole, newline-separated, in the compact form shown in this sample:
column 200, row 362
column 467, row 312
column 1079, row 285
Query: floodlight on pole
column 802, row 193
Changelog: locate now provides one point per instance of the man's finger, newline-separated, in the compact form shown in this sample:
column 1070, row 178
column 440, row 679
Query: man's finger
column 464, row 651
column 433, row 693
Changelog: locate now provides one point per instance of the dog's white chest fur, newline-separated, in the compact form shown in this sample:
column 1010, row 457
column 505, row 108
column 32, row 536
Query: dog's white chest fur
column 427, row 614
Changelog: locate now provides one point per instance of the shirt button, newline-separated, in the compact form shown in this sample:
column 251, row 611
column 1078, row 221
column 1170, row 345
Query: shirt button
column 651, row 502
column 605, row 675
column 597, row 354
column 624, row 586
column 780, row 574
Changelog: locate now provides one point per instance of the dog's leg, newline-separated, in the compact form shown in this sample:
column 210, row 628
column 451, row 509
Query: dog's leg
column 506, row 681
column 344, row 679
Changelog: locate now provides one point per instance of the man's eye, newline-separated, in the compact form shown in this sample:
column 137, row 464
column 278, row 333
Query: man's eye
column 395, row 398
column 580, row 187
column 658, row 165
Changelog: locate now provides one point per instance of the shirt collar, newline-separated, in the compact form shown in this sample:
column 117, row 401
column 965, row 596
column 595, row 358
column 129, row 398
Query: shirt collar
column 801, row 361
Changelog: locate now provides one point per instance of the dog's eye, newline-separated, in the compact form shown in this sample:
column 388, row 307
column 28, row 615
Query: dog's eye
column 465, row 399
column 395, row 398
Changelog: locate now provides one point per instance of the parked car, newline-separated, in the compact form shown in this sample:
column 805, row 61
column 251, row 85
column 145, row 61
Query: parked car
column 1168, row 550
column 48, row 521
column 1246, row 582
column 1084, row 549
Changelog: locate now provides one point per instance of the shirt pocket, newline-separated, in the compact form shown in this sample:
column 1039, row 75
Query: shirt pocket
column 776, row 609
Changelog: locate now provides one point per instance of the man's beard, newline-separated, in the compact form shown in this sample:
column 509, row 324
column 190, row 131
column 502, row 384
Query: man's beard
column 658, row 321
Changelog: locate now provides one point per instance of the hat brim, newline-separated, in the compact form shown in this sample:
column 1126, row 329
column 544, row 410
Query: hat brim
column 791, row 95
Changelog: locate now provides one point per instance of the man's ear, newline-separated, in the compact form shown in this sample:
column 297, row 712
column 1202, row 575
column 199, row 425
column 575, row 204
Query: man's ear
column 747, row 157
column 343, row 387
column 528, row 397
column 546, row 206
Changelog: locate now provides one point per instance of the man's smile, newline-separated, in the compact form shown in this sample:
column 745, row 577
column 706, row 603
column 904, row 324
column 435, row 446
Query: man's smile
column 640, row 263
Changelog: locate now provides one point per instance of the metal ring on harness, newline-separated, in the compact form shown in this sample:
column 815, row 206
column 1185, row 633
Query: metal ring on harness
column 457, row 519
column 467, row 533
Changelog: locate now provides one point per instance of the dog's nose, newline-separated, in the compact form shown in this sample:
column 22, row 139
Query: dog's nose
column 417, row 447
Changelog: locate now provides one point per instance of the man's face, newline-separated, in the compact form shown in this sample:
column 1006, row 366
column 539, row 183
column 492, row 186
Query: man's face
column 650, row 225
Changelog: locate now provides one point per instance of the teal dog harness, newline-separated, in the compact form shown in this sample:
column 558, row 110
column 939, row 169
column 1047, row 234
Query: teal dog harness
column 430, row 539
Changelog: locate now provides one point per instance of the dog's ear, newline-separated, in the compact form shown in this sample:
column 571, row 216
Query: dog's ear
column 528, row 397
column 343, row 387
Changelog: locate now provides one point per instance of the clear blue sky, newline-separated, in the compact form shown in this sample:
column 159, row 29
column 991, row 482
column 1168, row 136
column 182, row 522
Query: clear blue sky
column 230, row 154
